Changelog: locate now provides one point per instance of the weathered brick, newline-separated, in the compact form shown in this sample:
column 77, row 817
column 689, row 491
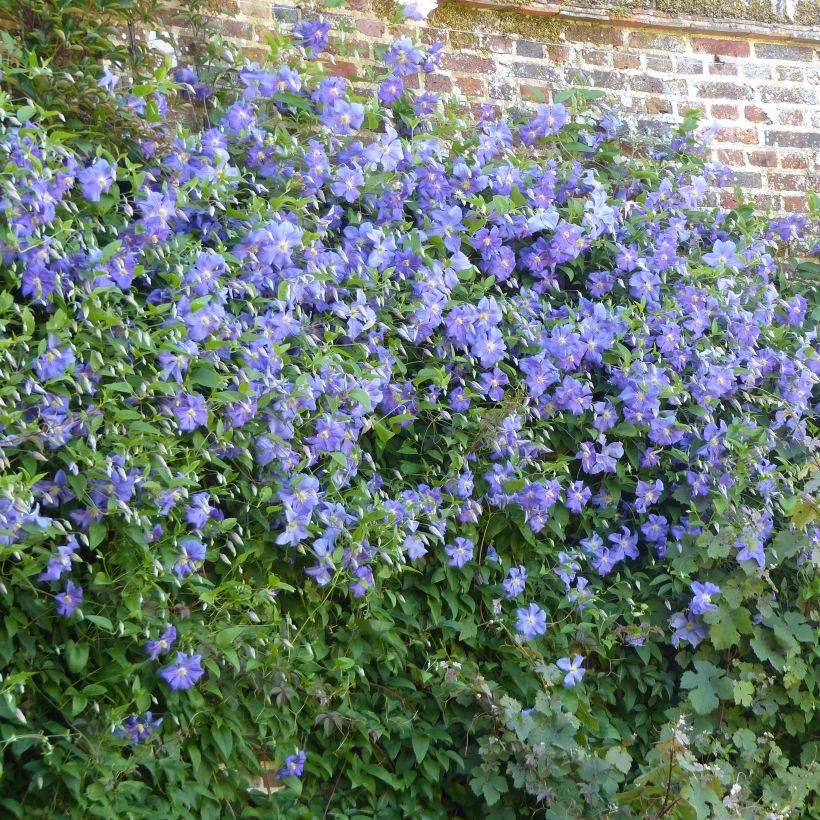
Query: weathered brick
column 728, row 199
column 725, row 91
column 534, row 93
column 596, row 57
column 793, row 139
column 659, row 62
column 689, row 65
column 640, row 82
column 725, row 48
column 782, row 51
column 763, row 159
column 650, row 40
column 676, row 87
column 438, row 83
column 755, row 114
column 498, row 45
column 371, row 28
column 794, row 162
column 529, row 48
column 658, row 105
column 790, row 116
column 471, row 86
column 793, row 94
column 720, row 69
column 757, row 71
column 501, row 90
column 536, row 71
column 791, row 74
column 236, row 29
column 724, row 112
column 285, row 13
column 559, row 54
column 625, row 61
column 747, row 179
column 730, row 156
column 796, row 204
column 613, row 80
column 602, row 35
column 468, row 62
column 788, row 182
column 745, row 136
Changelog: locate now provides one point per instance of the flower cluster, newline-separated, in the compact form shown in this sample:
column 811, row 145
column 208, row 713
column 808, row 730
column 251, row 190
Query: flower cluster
column 320, row 336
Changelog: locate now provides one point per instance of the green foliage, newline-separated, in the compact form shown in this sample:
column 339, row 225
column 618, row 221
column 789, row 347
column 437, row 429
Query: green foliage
column 420, row 698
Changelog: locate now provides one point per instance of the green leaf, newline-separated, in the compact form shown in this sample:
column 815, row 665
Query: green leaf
column 707, row 685
column 420, row 743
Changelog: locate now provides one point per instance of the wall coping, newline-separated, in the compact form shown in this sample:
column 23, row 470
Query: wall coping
column 655, row 19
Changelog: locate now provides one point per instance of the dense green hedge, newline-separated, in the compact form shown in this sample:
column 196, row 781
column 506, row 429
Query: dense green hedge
column 361, row 460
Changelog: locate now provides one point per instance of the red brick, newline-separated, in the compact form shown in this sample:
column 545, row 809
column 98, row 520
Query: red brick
column 343, row 68
column 791, row 116
column 563, row 54
column 438, row 83
column 755, row 114
column 728, row 199
column 788, row 182
column 796, row 204
column 724, row 112
column 730, row 156
column 746, row 136
column 602, row 35
column 763, row 159
column 467, row 62
column 794, row 162
column 499, row 45
column 370, row 28
column 726, row 48
column 470, row 86
column 534, row 93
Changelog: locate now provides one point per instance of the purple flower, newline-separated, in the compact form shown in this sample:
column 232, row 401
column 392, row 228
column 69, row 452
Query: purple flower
column 459, row 553
column 702, row 600
column 647, row 494
column 723, row 255
column 190, row 411
column 515, row 582
column 192, row 552
column 69, row 599
column 156, row 648
column 96, row 179
column 532, row 621
column 137, row 728
column 184, row 673
column 687, row 629
column 572, row 668
column 294, row 765
column 54, row 361
column 60, row 563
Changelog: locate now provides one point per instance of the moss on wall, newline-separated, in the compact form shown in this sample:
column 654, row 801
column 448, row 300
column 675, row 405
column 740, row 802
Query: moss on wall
column 454, row 15
column 807, row 12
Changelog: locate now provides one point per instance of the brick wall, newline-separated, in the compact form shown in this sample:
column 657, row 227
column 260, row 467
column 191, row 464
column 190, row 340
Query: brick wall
column 760, row 81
